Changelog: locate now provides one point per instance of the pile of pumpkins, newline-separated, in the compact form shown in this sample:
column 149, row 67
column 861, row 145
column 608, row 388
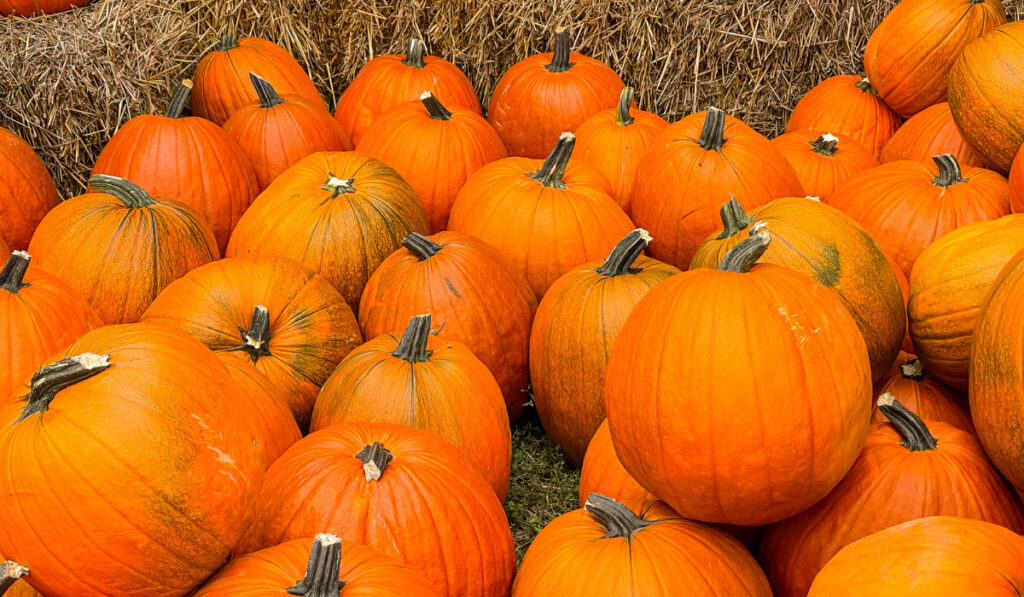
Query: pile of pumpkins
column 275, row 349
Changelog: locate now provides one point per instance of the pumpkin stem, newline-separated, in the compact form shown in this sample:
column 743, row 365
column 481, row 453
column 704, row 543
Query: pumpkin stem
column 743, row 256
column 10, row 573
column 181, row 97
column 338, row 186
column 256, row 339
column 560, row 61
column 12, row 277
column 435, row 108
column 63, row 374
column 617, row 519
column 128, row 192
column 551, row 172
column 323, row 570
column 825, row 145
column 712, row 137
column 913, row 370
column 865, row 86
column 620, row 260
column 375, row 459
column 734, row 218
column 949, row 170
column 228, row 41
column 420, row 246
column 413, row 345
column 414, row 54
column 623, row 117
column 916, row 436
column 265, row 91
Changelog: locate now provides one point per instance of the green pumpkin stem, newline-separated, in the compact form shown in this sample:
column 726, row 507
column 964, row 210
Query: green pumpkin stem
column 712, row 136
column 10, row 573
column 12, row 276
column 617, row 519
column 181, row 98
column 228, row 41
column 265, row 91
column 734, row 219
column 256, row 339
column 916, row 436
column 743, row 256
column 375, row 459
column 620, row 260
column 434, row 107
column 420, row 246
column 560, row 61
column 338, row 186
column 131, row 194
column 623, row 117
column 913, row 370
column 414, row 54
column 61, row 375
column 949, row 170
column 551, row 172
column 413, row 345
column 323, row 570
column 825, row 145
column 865, row 86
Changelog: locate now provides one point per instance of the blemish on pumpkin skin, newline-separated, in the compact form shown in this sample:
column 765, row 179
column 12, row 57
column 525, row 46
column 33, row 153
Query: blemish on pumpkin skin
column 451, row 288
column 829, row 273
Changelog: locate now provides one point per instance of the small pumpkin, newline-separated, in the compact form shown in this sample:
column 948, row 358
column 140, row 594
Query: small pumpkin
column 823, row 162
column 603, row 473
column 931, row 131
column 27, row 192
column 918, row 391
column 846, row 105
column 32, row 8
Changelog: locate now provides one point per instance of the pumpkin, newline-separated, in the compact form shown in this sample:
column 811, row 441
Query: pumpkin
column 908, row 342
column 908, row 469
column 434, row 149
column 119, row 247
column 403, row 491
column 975, row 558
column 823, row 162
column 931, row 131
column 474, row 295
column 917, row 389
column 32, row 8
column 693, row 167
column 949, row 285
column 136, row 427
column 741, row 358
column 40, row 315
column 222, row 84
column 821, row 242
column 27, row 193
column 607, row 548
column 603, row 473
column 614, row 141
column 906, row 205
column 545, row 217
column 272, row 418
column 338, row 213
column 543, row 95
column 1017, row 183
column 984, row 100
column 573, row 333
column 322, row 565
column 275, row 132
column 909, row 54
column 391, row 79
column 190, row 160
column 11, row 584
column 849, row 106
column 427, row 383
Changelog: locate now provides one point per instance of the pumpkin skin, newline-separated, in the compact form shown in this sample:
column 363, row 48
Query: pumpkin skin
column 436, row 385
column 154, row 413
column 543, row 95
column 695, row 166
column 272, row 417
column 607, row 548
column 339, row 213
column 222, row 84
column 823, row 162
column 906, row 205
column 846, row 105
column 917, row 389
column 27, row 194
column 517, row 204
column 821, row 242
column 1017, row 183
column 119, row 247
column 190, row 160
column 307, row 330
column 32, row 8
column 718, row 371
column 909, row 54
column 931, row 131
column 949, row 285
column 434, row 149
column 336, row 480
column 908, row 342
column 603, row 473
column 976, row 558
column 573, row 333
column 473, row 293
column 985, row 102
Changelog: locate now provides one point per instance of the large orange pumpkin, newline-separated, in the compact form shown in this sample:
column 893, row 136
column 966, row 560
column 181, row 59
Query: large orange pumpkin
column 916, row 389
column 846, row 105
column 692, row 168
column 603, row 473
column 270, row 413
column 931, row 131
column 27, row 192
column 124, row 470
column 823, row 162
column 743, row 359
column 31, row 8
column 338, row 213
column 119, row 247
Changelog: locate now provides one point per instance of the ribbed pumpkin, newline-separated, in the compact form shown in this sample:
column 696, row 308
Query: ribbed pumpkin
column 603, row 473
column 222, row 84
column 908, row 469
column 284, row 319
column 573, row 333
column 823, row 162
column 119, row 247
column 984, row 97
column 338, row 213
column 745, row 359
column 906, row 205
column 124, row 469
column 821, row 242
column 908, row 343
column 607, row 548
column 693, row 167
column 909, row 54
column 11, row 580
column 31, row 8
column 271, row 414
column 323, row 565
column 1017, row 183
column 846, row 105
column 615, row 140
column 975, row 558
column 403, row 491
column 190, row 160
column 27, row 192
column 541, row 96
column 436, row 385
column 931, row 131
column 474, row 295
column 434, row 149
column 545, row 217
column 917, row 390
column 949, row 286
column 391, row 79
column 274, row 132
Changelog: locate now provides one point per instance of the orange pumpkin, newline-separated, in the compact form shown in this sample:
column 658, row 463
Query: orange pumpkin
column 27, row 192
column 271, row 415
column 917, row 389
column 823, row 162
column 1017, row 183
column 908, row 342
column 931, row 131
column 31, row 8
column 846, row 105
column 603, row 473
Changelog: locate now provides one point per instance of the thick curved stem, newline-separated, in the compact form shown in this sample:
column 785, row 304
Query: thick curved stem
column 551, row 172
column 825, row 145
column 560, row 61
column 435, row 108
column 413, row 345
column 10, row 573
column 414, row 54
column 617, row 519
column 712, row 136
column 323, row 570
column 420, row 246
column 59, row 376
column 913, row 370
column 620, row 260
column 623, row 117
column 916, row 436
column 375, row 459
column 338, row 186
column 865, row 86
column 949, row 170
column 734, row 219
column 743, row 256
column 228, row 41
column 181, row 98
column 130, row 194
column 256, row 339
column 12, row 276
column 265, row 91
